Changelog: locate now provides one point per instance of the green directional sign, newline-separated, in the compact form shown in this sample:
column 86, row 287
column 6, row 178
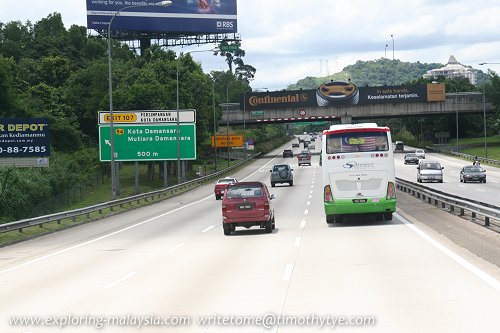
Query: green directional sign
column 229, row 47
column 148, row 142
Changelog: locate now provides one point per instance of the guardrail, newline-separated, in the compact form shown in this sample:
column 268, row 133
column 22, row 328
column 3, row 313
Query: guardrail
column 39, row 221
column 450, row 201
column 482, row 160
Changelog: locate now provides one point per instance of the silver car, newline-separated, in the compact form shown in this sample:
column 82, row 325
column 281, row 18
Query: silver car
column 429, row 171
column 281, row 173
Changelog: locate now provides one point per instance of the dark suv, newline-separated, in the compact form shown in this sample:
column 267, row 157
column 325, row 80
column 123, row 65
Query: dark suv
column 287, row 153
column 281, row 173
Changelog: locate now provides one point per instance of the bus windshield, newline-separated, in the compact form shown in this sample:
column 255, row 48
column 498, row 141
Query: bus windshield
column 348, row 142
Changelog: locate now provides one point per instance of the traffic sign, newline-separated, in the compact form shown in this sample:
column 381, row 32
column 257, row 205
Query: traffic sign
column 148, row 117
column 228, row 140
column 229, row 47
column 148, row 142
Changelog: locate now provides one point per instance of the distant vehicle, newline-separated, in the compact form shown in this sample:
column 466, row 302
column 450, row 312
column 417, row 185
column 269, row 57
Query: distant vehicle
column 295, row 145
column 472, row 173
column 306, row 143
column 281, row 173
column 399, row 146
column 411, row 158
column 304, row 157
column 358, row 171
column 430, row 171
column 311, row 146
column 247, row 204
column 221, row 185
column 420, row 153
column 287, row 153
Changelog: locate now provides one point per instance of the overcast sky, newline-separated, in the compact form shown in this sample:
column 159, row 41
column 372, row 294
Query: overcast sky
column 287, row 40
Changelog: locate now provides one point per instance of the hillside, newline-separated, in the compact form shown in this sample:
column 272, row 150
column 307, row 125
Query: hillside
column 372, row 73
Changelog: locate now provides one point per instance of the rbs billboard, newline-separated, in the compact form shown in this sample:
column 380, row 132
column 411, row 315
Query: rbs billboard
column 188, row 16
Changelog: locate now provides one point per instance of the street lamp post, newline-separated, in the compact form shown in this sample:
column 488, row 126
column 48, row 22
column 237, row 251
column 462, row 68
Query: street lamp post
column 385, row 51
column 484, row 109
column 114, row 180
column 456, row 112
column 179, row 174
column 392, row 36
column 244, row 118
column 227, row 120
column 215, row 123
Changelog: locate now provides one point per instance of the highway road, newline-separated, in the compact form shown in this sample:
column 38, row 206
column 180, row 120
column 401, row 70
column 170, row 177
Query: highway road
column 488, row 192
column 169, row 263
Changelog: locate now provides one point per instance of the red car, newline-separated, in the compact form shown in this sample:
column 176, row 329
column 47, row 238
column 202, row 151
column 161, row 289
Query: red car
column 247, row 204
column 304, row 157
column 221, row 185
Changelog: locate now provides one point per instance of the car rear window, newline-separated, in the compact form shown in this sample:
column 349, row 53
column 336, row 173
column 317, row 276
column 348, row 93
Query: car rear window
column 244, row 192
column 278, row 168
column 226, row 181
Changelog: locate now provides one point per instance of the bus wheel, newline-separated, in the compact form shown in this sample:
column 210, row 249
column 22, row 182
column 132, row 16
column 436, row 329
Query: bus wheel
column 388, row 216
column 330, row 219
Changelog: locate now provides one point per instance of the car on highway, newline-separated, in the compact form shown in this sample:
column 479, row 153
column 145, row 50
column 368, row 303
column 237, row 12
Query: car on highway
column 304, row 157
column 295, row 145
column 281, row 173
column 399, row 145
column 411, row 158
column 472, row 173
column 430, row 171
column 287, row 153
column 221, row 186
column 247, row 204
column 420, row 153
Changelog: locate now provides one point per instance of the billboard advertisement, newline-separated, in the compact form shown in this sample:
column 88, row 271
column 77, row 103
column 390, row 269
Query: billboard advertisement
column 182, row 16
column 342, row 93
column 24, row 137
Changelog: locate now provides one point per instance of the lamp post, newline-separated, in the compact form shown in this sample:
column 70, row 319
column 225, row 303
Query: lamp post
column 385, row 51
column 215, row 123
column 114, row 180
column 244, row 117
column 227, row 120
column 392, row 36
column 456, row 111
column 179, row 177
column 484, row 109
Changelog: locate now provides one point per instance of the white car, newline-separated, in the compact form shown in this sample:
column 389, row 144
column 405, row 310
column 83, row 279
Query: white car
column 420, row 153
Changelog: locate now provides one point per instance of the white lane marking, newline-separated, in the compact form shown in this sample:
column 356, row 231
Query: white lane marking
column 287, row 275
column 209, row 228
column 460, row 185
column 302, row 224
column 310, row 196
column 308, row 203
column 311, row 192
column 312, row 186
column 175, row 248
column 50, row 255
column 478, row 189
column 493, row 181
column 120, row 280
column 297, row 241
column 306, row 212
column 461, row 261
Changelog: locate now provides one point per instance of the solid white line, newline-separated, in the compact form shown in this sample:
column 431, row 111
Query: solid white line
column 287, row 275
column 306, row 212
column 302, row 224
column 461, row 261
column 297, row 241
column 175, row 248
column 50, row 255
column 209, row 228
column 111, row 285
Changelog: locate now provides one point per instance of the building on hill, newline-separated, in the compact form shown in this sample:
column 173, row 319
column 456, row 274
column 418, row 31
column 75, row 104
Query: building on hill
column 452, row 70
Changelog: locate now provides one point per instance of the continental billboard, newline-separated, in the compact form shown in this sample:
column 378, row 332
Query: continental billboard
column 188, row 16
column 342, row 93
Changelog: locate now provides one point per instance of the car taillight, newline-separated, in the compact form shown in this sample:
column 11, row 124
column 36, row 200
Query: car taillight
column 328, row 197
column 224, row 210
column 391, row 193
column 266, row 205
